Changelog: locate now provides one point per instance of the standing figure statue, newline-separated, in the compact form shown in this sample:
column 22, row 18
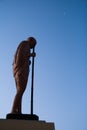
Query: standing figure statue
column 21, row 65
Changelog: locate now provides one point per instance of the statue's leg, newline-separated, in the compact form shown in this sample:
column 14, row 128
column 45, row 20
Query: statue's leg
column 21, row 86
column 21, row 79
column 17, row 103
column 20, row 92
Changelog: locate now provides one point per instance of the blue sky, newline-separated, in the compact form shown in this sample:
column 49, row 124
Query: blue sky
column 60, row 27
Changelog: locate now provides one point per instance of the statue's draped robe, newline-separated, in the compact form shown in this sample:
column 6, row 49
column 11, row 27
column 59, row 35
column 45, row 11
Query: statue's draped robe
column 21, row 63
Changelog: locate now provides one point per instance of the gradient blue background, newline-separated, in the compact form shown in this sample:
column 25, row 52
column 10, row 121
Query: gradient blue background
column 60, row 27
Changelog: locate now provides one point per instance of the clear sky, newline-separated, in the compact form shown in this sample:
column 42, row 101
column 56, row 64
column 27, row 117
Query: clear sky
column 60, row 85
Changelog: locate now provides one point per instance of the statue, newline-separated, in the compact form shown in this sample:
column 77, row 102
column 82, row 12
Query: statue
column 21, row 65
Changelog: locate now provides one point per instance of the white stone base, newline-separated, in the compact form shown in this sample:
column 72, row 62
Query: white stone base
column 12, row 124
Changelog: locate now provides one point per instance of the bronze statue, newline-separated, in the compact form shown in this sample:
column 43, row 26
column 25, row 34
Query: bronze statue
column 21, row 65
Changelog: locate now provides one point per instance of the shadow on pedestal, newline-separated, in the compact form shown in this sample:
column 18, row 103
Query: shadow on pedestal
column 22, row 116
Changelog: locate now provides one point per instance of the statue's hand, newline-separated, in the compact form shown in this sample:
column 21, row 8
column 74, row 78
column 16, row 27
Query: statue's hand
column 33, row 54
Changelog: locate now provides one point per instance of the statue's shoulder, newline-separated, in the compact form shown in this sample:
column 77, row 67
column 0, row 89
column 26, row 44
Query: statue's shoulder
column 22, row 44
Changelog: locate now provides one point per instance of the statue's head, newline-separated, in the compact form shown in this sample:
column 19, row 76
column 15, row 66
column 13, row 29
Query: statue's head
column 32, row 42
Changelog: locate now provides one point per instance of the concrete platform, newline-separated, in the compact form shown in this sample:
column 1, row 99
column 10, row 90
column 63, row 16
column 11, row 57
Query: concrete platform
column 10, row 124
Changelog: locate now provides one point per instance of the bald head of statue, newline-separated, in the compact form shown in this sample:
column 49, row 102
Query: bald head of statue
column 32, row 42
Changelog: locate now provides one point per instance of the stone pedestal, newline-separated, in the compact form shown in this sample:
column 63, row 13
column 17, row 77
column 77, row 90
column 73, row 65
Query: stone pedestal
column 22, row 116
column 10, row 124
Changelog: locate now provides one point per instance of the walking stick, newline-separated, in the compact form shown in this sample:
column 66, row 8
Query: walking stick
column 32, row 84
